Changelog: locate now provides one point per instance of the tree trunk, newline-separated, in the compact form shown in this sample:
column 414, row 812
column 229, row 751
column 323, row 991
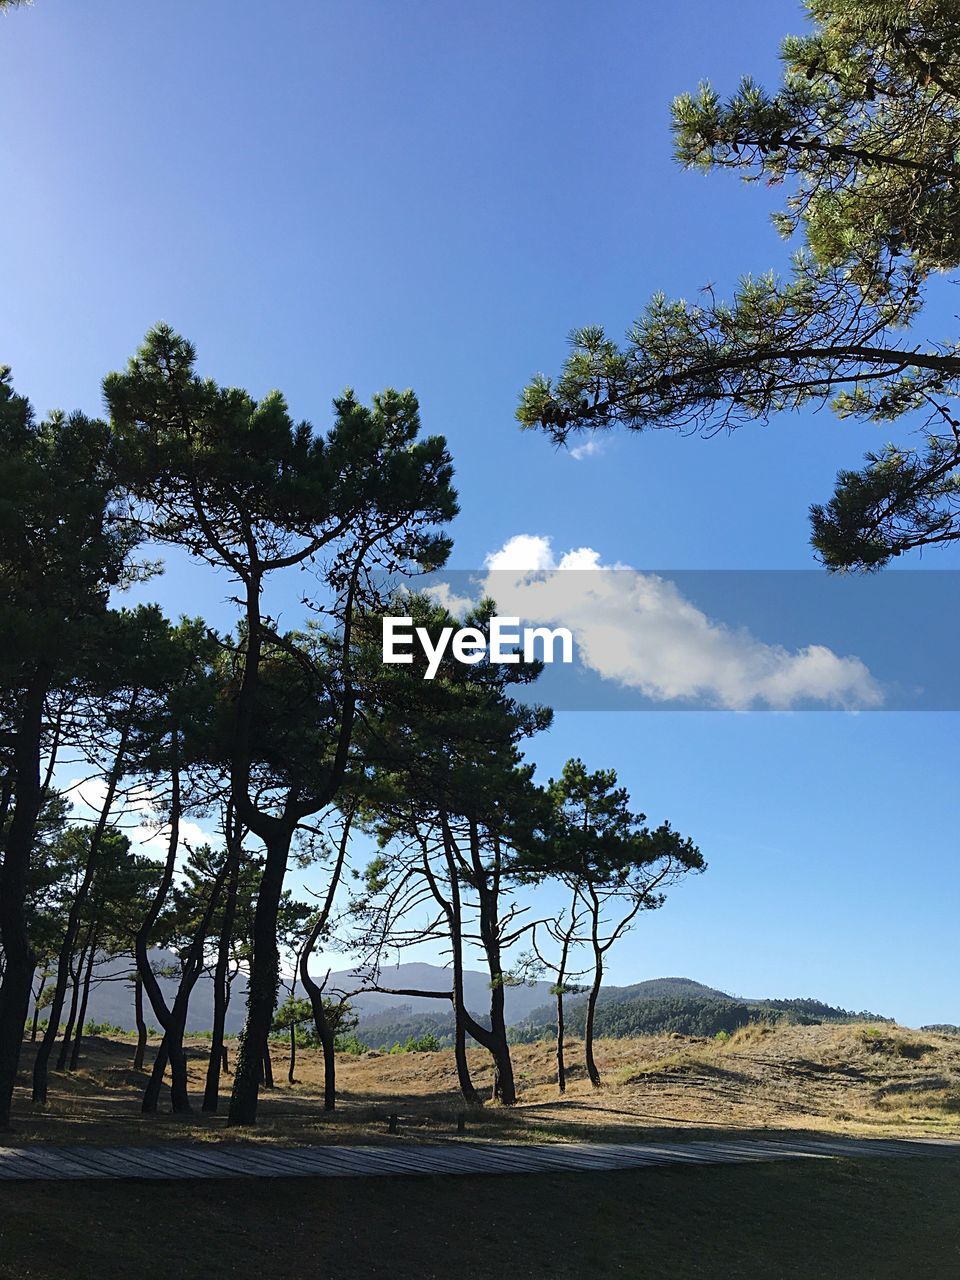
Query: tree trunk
column 172, row 1020
column 504, row 1086
column 141, row 1025
column 291, row 1070
column 561, row 1068
column 76, row 980
column 82, row 1015
column 314, row 992
column 42, row 1060
column 467, row 1088
column 322, row 1026
column 36, row 1011
column 218, row 1052
column 276, row 835
column 328, row 1042
column 151, row 1095
column 171, row 1051
column 268, row 1082
column 264, row 975
column 24, row 1031
column 454, row 914
column 19, row 958
column 177, row 1016
column 592, row 1070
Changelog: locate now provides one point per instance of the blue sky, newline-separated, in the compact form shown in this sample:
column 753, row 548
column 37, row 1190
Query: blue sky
column 431, row 195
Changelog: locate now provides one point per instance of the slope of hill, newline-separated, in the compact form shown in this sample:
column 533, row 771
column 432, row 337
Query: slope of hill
column 642, row 1008
column 664, row 988
column 111, row 999
column 681, row 1006
column 866, row 1078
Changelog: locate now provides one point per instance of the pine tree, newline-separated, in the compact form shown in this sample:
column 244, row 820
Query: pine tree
column 864, row 133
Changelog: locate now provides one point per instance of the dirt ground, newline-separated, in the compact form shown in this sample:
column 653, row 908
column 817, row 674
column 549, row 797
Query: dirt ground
column 859, row 1079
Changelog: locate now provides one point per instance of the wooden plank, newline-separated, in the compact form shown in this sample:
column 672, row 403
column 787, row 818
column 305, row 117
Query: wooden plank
column 21, row 1163
column 155, row 1162
column 332, row 1162
column 203, row 1162
column 458, row 1159
column 86, row 1158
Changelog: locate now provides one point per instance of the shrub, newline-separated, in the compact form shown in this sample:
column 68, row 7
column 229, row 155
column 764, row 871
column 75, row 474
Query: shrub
column 417, row 1044
column 350, row 1044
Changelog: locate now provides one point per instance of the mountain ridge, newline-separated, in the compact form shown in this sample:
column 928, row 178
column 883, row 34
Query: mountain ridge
column 111, row 1001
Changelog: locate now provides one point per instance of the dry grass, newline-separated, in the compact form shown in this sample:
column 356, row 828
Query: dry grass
column 885, row 1081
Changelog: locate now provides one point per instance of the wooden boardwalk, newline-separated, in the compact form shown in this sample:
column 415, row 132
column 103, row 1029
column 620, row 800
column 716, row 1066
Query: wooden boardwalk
column 235, row 1160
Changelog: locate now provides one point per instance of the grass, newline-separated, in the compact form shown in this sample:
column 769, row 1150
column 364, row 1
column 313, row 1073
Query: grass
column 833, row 1220
column 853, row 1079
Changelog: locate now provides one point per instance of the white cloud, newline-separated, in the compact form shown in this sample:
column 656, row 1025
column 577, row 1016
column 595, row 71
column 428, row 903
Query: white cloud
column 639, row 630
column 590, row 449
column 135, row 815
column 442, row 593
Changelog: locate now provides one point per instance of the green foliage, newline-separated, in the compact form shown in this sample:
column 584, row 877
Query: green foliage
column 695, row 1015
column 865, row 134
column 224, row 472
column 877, row 1040
column 63, row 542
column 291, row 1014
column 383, row 1030
column 105, row 1029
column 351, row 1044
column 417, row 1044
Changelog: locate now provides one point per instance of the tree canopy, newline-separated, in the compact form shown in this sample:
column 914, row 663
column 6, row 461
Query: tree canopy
column 863, row 134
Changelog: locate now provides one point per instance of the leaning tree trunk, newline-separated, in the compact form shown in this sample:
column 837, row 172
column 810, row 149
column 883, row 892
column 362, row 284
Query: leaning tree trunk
column 76, row 978
column 314, row 991
column 42, row 1060
column 292, row 1069
column 171, row 1050
column 561, row 991
column 325, row 1035
column 276, row 835
column 169, row 1018
column 141, row 1025
column 264, row 976
column 155, row 1083
column 218, row 1052
column 561, row 1066
column 177, row 1016
column 82, row 1015
column 453, row 909
column 592, row 1070
column 36, row 1010
column 504, row 1086
column 467, row 1088
column 19, row 958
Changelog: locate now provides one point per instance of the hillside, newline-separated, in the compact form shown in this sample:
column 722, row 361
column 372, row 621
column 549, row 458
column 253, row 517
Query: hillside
column 682, row 1006
column 857, row 1078
column 111, row 999
column 657, row 988
column 655, row 1006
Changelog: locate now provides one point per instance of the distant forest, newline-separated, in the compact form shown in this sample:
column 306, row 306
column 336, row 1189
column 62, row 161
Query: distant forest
column 619, row 1017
